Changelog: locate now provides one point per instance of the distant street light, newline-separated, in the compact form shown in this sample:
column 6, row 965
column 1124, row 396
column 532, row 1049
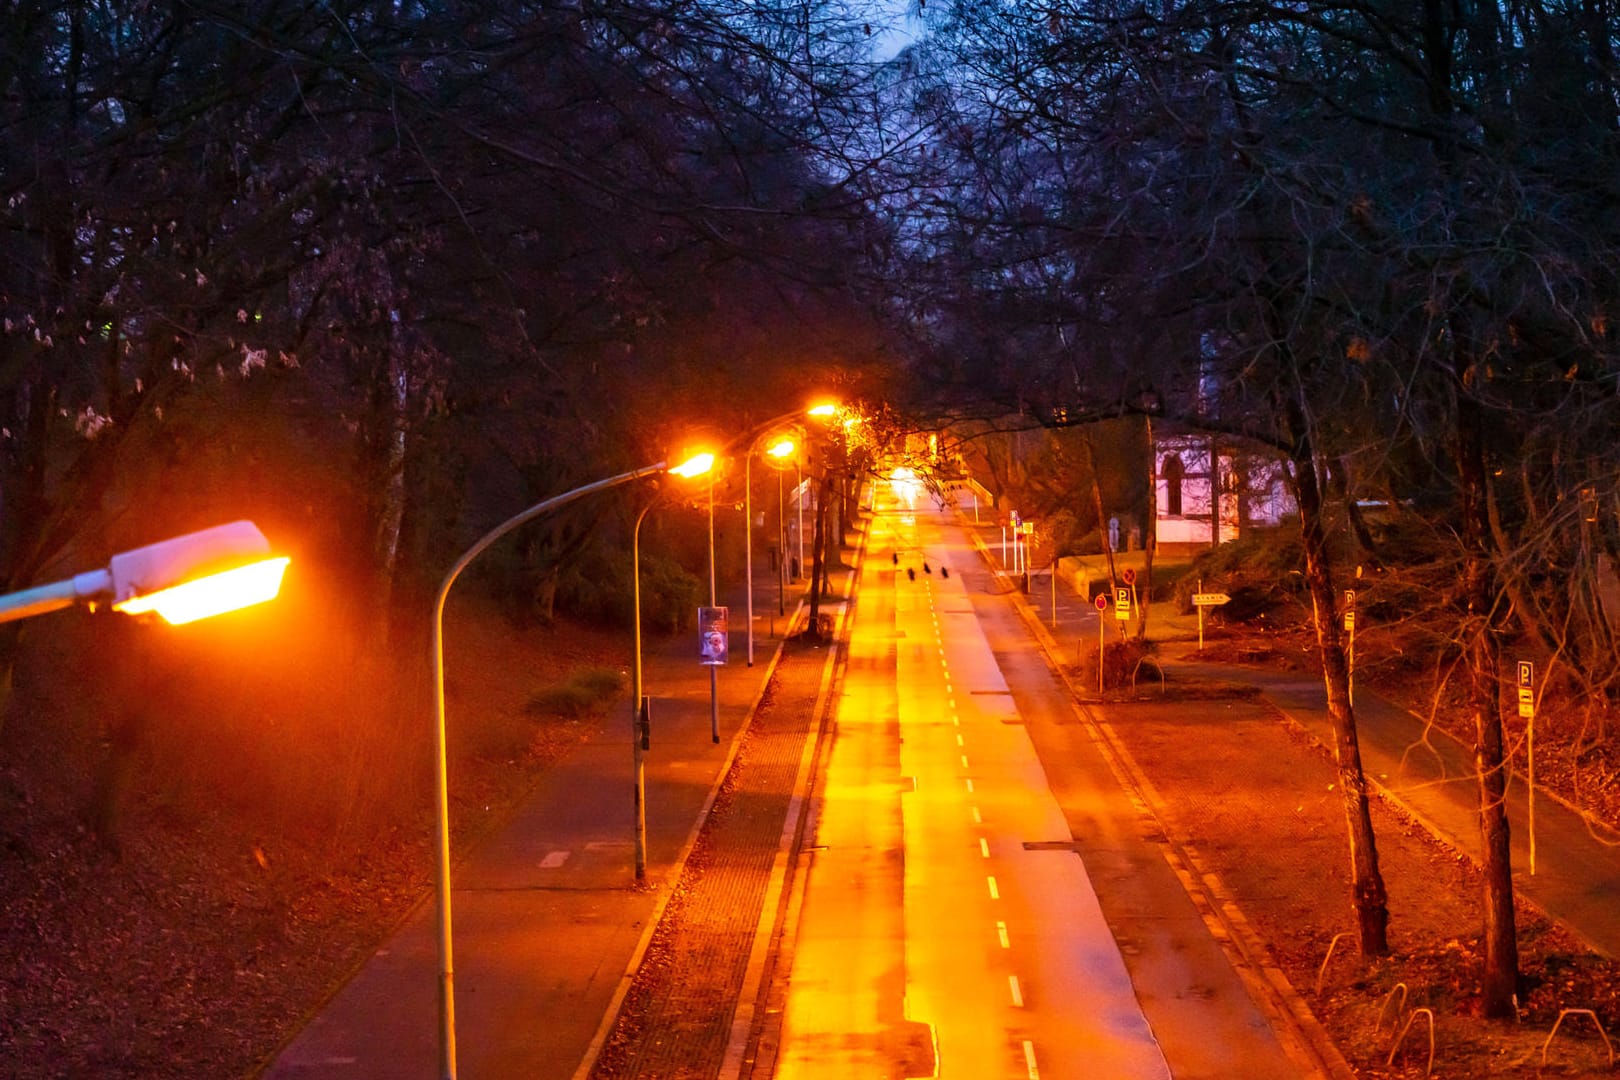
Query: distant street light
column 780, row 450
column 190, row 577
column 447, row 1009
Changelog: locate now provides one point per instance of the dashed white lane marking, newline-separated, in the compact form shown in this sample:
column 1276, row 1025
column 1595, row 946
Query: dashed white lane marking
column 959, row 741
column 1029, row 1060
column 978, row 819
column 1017, row 992
column 984, row 847
column 969, row 781
column 964, row 761
column 995, row 893
column 553, row 860
column 1001, row 932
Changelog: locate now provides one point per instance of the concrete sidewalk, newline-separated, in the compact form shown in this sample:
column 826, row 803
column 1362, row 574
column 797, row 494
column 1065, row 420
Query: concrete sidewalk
column 1425, row 771
column 549, row 925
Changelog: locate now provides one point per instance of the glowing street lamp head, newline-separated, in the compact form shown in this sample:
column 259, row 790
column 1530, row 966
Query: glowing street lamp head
column 696, row 465
column 198, row 575
column 823, row 410
column 782, row 449
column 215, row 594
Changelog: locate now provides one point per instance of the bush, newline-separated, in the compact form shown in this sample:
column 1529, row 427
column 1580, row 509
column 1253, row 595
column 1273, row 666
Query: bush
column 596, row 587
column 587, row 692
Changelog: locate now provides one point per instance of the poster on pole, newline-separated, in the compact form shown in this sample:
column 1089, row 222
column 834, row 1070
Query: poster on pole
column 713, row 640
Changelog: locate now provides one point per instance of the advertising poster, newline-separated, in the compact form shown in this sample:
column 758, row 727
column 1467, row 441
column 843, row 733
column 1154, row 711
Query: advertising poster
column 712, row 640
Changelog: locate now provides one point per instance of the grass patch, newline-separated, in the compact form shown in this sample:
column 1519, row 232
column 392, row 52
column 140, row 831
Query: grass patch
column 587, row 692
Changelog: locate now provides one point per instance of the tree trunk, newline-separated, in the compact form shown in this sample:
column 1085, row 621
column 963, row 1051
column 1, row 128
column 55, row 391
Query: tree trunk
column 1150, row 532
column 1368, row 897
column 1500, row 978
column 1097, row 502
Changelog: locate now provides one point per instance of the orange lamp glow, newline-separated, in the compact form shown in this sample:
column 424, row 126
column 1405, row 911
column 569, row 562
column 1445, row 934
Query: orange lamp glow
column 825, row 409
column 783, row 449
column 696, row 465
column 201, row 598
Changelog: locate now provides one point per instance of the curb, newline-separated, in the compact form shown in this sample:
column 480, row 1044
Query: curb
column 778, row 917
column 666, row 888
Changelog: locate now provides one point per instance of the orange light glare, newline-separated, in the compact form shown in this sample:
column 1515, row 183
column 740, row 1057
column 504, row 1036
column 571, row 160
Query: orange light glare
column 215, row 594
column 824, row 409
column 696, row 465
column 782, row 449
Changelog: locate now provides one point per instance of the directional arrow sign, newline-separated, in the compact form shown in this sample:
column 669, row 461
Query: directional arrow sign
column 1209, row 599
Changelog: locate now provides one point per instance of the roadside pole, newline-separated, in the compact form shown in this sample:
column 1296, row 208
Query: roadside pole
column 1350, row 645
column 1202, row 600
column 1527, row 710
column 1102, row 635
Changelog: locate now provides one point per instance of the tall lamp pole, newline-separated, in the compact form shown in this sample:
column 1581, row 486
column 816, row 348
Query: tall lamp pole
column 447, row 1006
column 714, row 670
column 781, row 450
column 748, row 546
column 638, row 717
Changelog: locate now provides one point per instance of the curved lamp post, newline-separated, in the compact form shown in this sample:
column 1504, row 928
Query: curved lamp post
column 780, row 451
column 447, row 1009
column 190, row 577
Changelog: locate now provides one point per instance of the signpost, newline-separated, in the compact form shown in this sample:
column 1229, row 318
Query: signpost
column 1527, row 709
column 1102, row 644
column 1202, row 600
column 1350, row 645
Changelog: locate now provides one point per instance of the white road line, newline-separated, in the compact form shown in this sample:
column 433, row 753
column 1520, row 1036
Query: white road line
column 1029, row 1060
column 959, row 741
column 977, row 818
column 1017, row 993
column 1001, row 932
column 995, row 893
column 969, row 782
column 964, row 761
column 984, row 847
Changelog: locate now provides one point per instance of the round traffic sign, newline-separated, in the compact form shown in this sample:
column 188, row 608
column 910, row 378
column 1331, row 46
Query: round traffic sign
column 1102, row 601
column 1130, row 575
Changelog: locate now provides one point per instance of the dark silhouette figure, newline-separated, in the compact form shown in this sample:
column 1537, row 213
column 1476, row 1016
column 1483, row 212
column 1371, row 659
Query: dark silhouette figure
column 926, row 568
column 896, row 558
column 944, row 571
column 911, row 575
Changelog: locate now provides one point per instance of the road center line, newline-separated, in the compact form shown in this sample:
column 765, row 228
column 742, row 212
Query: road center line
column 1029, row 1060
column 1001, row 932
column 995, row 893
column 1017, row 993
column 984, row 847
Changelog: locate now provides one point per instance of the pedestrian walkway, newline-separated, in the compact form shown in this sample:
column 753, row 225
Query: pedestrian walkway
column 1425, row 771
column 549, row 924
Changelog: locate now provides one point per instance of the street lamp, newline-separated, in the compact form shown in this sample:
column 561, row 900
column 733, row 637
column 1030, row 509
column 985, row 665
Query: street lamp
column 190, row 577
column 780, row 450
column 638, row 720
column 447, row 1009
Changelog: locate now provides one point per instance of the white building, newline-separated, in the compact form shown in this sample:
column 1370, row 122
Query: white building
column 1253, row 488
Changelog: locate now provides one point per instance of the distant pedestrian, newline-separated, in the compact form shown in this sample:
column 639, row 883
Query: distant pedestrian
column 926, row 568
column 911, row 574
column 896, row 558
column 944, row 571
